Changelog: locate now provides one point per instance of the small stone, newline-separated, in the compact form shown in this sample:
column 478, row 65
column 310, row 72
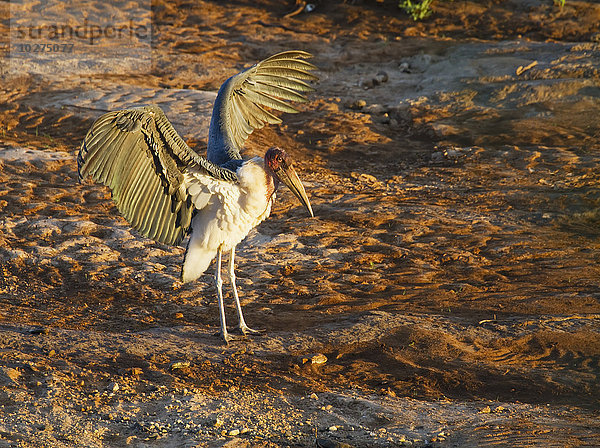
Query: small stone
column 380, row 78
column 234, row 432
column 178, row 316
column 358, row 104
column 135, row 371
column 332, row 428
column 12, row 374
column 179, row 365
column 485, row 410
column 367, row 178
column 218, row 422
column 112, row 387
column 376, row 109
column 314, row 396
column 317, row 358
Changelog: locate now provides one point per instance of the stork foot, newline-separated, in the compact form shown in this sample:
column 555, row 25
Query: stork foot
column 227, row 338
column 246, row 330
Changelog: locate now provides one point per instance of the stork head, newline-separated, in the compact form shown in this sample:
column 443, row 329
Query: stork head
column 280, row 164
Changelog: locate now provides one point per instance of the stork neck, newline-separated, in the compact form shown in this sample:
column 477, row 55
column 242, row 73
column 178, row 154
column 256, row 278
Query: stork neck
column 272, row 182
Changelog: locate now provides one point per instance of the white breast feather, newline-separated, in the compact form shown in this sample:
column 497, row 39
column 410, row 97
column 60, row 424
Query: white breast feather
column 226, row 212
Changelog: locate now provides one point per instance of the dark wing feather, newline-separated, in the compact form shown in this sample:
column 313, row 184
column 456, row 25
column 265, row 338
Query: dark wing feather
column 138, row 154
column 240, row 105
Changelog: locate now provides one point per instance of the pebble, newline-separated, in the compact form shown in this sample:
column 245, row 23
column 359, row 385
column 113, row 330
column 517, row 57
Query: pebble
column 234, row 432
column 317, row 358
column 358, row 104
column 218, row 422
column 380, row 78
column 179, row 365
column 112, row 387
column 376, row 109
column 11, row 373
column 314, row 396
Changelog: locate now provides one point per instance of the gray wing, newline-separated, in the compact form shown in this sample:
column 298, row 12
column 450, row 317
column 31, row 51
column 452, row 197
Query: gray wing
column 138, row 154
column 240, row 104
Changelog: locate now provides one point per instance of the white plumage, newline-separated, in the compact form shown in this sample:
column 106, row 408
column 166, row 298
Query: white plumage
column 229, row 212
column 167, row 191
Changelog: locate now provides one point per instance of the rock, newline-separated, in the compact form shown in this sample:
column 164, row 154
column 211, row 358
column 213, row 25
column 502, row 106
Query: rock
column 134, row 371
column 234, row 432
column 179, row 365
column 318, row 358
column 218, row 422
column 358, row 104
column 380, row 78
column 376, row 109
column 9, row 376
column 112, row 387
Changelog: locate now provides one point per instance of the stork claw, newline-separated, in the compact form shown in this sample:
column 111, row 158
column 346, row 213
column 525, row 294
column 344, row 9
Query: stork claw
column 225, row 336
column 246, row 330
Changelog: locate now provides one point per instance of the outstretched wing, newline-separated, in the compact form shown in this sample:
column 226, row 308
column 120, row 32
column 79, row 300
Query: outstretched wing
column 240, row 104
column 138, row 154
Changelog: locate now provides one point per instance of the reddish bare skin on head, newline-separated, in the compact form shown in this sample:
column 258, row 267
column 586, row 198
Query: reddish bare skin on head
column 276, row 158
column 279, row 168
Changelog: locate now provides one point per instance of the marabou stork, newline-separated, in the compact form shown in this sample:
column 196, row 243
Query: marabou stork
column 167, row 191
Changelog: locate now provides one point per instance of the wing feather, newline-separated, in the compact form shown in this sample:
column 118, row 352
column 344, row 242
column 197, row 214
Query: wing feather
column 242, row 99
column 138, row 154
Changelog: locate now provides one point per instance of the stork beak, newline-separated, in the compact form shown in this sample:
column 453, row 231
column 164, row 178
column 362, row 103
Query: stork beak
column 288, row 175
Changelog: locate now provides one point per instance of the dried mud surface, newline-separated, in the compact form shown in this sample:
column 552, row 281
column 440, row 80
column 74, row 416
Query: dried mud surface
column 450, row 275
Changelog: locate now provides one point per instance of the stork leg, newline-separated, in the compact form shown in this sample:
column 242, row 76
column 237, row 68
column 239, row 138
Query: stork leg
column 245, row 329
column 219, row 285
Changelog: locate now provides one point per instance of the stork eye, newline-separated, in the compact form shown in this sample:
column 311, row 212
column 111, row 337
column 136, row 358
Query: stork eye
column 278, row 159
